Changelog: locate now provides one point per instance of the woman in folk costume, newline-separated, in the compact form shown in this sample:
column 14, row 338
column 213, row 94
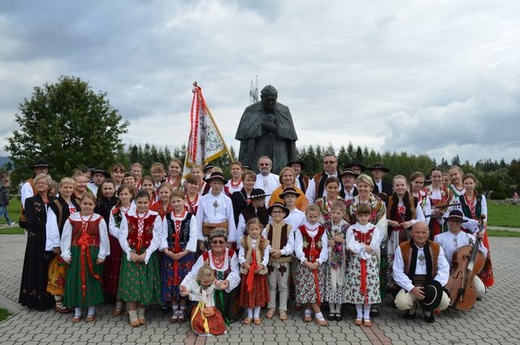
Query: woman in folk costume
column 474, row 207
column 332, row 185
column 335, row 267
column 416, row 186
column 363, row 240
column 436, row 202
column 33, row 289
column 84, row 245
column 456, row 186
column 58, row 213
column 206, row 319
column 235, row 183
column 140, row 236
column 253, row 258
column 158, row 175
column 180, row 245
column 402, row 212
column 310, row 247
column 112, row 266
column 224, row 262
column 365, row 185
column 174, row 177
column 243, row 198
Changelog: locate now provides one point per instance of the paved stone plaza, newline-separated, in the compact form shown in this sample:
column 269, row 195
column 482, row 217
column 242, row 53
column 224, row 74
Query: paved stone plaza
column 495, row 320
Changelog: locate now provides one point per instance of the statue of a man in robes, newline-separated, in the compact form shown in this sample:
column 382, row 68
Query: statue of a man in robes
column 266, row 129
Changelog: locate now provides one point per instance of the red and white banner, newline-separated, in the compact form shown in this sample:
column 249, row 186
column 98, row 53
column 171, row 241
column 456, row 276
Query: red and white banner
column 205, row 143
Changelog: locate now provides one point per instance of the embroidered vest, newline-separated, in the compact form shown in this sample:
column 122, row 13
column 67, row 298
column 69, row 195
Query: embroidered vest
column 364, row 238
column 307, row 240
column 185, row 230
column 261, row 244
column 146, row 237
column 92, row 231
column 279, row 242
column 432, row 247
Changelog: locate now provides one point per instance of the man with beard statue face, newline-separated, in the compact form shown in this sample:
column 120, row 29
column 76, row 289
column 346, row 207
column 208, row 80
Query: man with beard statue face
column 266, row 129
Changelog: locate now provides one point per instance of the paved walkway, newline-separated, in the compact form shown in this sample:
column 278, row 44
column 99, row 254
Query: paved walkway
column 493, row 321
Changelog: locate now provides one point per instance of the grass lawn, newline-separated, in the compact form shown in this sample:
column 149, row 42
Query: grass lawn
column 504, row 215
column 4, row 313
column 14, row 215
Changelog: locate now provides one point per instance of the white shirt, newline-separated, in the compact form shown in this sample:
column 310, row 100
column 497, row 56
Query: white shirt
column 112, row 228
column 242, row 253
column 66, row 236
column 400, row 277
column 268, row 183
column 156, row 237
column 295, row 219
column 450, row 243
column 312, row 230
column 216, row 209
column 231, row 263
column 358, row 248
column 192, row 242
column 52, row 233
column 288, row 249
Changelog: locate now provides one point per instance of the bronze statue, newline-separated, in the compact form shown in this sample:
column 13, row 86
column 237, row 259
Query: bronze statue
column 266, row 129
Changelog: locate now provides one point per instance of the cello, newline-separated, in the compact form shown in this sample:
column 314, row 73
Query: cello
column 467, row 262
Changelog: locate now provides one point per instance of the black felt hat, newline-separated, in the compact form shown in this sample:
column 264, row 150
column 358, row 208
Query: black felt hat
column 280, row 205
column 379, row 166
column 432, row 296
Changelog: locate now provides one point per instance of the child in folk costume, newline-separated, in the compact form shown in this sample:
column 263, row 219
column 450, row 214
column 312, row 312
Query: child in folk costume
column 179, row 244
column 112, row 267
column 84, row 245
column 363, row 240
column 332, row 185
column 334, row 269
column 57, row 215
column 140, row 236
column 310, row 246
column 163, row 205
column 206, row 319
column 158, row 175
column 281, row 238
column 174, row 177
column 253, row 257
column 235, row 183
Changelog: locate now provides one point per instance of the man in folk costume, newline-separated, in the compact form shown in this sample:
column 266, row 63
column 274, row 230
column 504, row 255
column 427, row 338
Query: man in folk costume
column 216, row 210
column 302, row 181
column 382, row 188
column 455, row 238
column 421, row 270
column 348, row 181
column 281, row 236
column 316, row 187
column 28, row 189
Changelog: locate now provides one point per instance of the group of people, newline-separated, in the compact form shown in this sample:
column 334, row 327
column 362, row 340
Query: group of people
column 226, row 248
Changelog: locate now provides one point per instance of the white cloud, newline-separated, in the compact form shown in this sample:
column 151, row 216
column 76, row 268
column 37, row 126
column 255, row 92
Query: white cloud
column 435, row 77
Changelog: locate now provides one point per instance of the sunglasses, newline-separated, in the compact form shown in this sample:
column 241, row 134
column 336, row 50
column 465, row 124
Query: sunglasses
column 218, row 242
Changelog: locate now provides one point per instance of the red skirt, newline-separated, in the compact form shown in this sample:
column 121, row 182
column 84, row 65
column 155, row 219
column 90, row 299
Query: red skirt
column 215, row 323
column 259, row 296
column 112, row 267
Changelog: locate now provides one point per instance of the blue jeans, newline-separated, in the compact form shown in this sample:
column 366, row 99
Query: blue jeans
column 4, row 213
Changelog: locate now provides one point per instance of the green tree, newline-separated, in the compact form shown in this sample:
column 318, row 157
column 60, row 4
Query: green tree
column 67, row 124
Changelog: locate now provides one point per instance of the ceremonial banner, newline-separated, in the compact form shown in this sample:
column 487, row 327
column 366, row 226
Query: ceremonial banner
column 205, row 143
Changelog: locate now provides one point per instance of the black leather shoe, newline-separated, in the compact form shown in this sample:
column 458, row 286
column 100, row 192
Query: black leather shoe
column 338, row 317
column 429, row 319
column 374, row 312
column 408, row 316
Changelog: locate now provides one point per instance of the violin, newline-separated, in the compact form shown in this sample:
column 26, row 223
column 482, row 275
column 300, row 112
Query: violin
column 467, row 261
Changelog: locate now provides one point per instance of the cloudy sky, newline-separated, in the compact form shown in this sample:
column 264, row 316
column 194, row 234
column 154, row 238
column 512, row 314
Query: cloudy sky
column 433, row 77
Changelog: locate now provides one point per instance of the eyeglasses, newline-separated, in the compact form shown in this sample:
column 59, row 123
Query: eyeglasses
column 218, row 242
column 329, row 162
